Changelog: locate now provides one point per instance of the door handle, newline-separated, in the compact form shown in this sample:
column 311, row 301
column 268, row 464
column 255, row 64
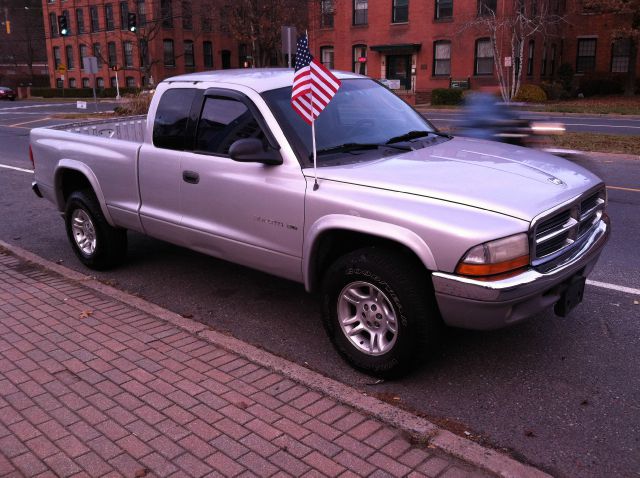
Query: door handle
column 190, row 177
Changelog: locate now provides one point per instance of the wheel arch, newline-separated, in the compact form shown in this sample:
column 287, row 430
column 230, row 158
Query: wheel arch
column 335, row 235
column 72, row 175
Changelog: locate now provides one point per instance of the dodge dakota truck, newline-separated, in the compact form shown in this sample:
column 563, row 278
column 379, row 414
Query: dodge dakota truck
column 409, row 229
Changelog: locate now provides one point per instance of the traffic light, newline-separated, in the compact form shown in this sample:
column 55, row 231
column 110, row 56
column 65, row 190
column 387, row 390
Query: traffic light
column 132, row 22
column 63, row 26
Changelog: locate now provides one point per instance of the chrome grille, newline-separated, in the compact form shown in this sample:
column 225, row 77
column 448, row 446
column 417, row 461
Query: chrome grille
column 554, row 233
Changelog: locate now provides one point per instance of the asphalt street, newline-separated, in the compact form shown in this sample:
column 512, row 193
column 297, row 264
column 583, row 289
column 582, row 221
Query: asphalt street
column 561, row 394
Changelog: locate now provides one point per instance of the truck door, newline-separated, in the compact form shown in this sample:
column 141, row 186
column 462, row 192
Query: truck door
column 249, row 213
column 159, row 168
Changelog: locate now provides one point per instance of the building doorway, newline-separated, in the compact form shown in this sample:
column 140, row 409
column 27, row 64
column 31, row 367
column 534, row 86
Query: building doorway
column 399, row 68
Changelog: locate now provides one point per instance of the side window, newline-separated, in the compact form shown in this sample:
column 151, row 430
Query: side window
column 222, row 122
column 172, row 116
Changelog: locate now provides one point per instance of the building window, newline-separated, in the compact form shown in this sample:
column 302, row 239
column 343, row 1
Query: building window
column 360, row 59
column 444, row 9
column 53, row 22
column 483, row 57
column 127, row 47
column 85, row 83
column 487, row 7
column 206, row 23
column 142, row 12
column 225, row 58
column 95, row 24
column 586, row 60
column 169, row 55
column 97, row 52
column 552, row 65
column 57, row 61
column 144, row 52
column 207, row 54
column 108, row 17
column 65, row 14
column 620, row 55
column 100, row 82
column 112, row 54
column 80, row 20
column 326, row 13
column 84, row 52
column 69, row 54
column 442, row 58
column 326, row 55
column 532, row 49
column 543, row 67
column 124, row 15
column 59, row 83
column 130, row 81
column 189, row 60
column 166, row 10
column 400, row 11
column 187, row 16
column 360, row 12
column 114, row 81
column 72, row 82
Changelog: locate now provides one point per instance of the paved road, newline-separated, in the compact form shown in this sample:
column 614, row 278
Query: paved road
column 559, row 393
column 574, row 123
column 33, row 114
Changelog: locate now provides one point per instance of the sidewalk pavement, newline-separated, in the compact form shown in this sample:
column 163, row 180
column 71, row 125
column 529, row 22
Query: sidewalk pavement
column 96, row 382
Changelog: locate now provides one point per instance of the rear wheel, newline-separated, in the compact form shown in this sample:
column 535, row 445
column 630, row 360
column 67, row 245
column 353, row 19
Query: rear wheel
column 97, row 244
column 378, row 310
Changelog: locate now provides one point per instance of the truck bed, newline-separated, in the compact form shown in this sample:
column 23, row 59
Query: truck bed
column 127, row 128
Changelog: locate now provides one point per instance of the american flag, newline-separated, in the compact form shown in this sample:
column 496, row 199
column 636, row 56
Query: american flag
column 313, row 84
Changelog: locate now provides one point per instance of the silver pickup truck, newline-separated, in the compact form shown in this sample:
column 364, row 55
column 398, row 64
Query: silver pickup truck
column 409, row 229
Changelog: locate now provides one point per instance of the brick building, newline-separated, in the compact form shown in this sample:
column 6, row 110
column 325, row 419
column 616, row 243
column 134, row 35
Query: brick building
column 424, row 44
column 172, row 37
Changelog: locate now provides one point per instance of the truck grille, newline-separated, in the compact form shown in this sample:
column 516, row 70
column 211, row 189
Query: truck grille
column 554, row 234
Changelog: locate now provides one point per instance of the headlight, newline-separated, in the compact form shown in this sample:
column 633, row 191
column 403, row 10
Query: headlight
column 496, row 257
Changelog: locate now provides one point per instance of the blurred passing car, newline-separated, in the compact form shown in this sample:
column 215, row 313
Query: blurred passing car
column 486, row 118
column 7, row 93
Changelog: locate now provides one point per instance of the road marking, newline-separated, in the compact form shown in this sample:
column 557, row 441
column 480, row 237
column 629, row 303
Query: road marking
column 36, row 106
column 624, row 189
column 619, row 288
column 27, row 122
column 6, row 166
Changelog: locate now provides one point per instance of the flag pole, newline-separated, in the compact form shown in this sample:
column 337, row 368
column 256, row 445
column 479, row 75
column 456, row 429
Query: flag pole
column 315, row 154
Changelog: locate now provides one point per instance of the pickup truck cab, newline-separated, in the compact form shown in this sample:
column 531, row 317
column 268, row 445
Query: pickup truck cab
column 409, row 228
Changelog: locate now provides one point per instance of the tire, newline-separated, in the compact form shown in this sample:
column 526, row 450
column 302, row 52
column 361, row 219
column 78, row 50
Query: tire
column 379, row 311
column 98, row 245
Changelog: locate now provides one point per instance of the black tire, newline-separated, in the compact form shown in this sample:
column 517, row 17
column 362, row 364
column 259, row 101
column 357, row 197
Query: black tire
column 407, row 302
column 104, row 246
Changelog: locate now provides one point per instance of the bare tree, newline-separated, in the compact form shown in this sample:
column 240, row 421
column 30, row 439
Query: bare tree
column 628, row 13
column 258, row 24
column 508, row 32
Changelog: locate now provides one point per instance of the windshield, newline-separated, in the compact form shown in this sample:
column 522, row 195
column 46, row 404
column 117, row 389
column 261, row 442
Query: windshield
column 360, row 116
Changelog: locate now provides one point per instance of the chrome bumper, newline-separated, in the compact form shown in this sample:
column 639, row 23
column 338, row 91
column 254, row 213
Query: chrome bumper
column 482, row 305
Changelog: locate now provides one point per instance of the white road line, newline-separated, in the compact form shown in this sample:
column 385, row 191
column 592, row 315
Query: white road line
column 619, row 288
column 6, row 166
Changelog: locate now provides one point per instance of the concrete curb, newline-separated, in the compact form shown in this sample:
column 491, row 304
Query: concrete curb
column 467, row 450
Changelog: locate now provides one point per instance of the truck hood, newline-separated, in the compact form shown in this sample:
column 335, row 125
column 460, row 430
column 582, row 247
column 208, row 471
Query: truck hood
column 519, row 182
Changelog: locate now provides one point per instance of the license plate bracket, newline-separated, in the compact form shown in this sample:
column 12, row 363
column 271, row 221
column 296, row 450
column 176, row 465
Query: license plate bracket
column 571, row 297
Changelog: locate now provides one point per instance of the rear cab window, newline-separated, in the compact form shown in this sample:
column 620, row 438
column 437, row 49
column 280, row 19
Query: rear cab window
column 172, row 119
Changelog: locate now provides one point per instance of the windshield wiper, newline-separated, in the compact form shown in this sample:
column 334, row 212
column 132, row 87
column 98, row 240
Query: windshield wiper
column 347, row 147
column 416, row 134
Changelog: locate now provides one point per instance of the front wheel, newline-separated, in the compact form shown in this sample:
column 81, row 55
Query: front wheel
column 378, row 310
column 97, row 244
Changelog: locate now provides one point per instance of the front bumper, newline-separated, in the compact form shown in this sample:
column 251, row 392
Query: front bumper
column 484, row 305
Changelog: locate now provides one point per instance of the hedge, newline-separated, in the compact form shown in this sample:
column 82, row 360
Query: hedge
column 446, row 96
column 81, row 92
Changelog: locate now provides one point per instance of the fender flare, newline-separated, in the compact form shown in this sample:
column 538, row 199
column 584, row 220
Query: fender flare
column 371, row 227
column 72, row 164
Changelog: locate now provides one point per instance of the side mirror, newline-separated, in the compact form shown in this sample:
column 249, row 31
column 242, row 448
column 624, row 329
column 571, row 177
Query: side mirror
column 251, row 150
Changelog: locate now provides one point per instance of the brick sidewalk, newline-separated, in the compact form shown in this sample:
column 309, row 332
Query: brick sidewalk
column 91, row 386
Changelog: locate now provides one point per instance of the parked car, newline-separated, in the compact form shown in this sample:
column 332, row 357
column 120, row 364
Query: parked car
column 7, row 93
column 409, row 227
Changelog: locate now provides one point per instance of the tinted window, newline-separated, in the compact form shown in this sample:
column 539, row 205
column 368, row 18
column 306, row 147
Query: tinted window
column 172, row 116
column 222, row 122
